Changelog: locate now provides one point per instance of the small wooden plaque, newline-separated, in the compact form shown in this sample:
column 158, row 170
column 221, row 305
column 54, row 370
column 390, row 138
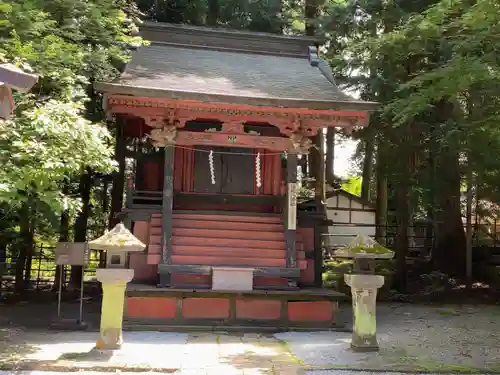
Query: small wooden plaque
column 72, row 254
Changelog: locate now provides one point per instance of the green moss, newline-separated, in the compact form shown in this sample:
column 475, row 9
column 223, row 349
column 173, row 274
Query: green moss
column 376, row 249
column 286, row 349
column 440, row 367
column 407, row 366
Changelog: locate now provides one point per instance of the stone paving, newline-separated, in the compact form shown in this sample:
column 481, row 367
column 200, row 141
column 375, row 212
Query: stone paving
column 412, row 339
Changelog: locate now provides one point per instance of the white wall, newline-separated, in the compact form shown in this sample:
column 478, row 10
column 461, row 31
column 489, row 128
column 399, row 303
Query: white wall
column 356, row 217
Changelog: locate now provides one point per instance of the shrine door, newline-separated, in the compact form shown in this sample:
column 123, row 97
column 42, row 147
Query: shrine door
column 233, row 170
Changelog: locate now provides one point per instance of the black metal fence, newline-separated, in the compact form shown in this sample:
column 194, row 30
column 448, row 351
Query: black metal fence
column 43, row 269
column 485, row 238
column 486, row 243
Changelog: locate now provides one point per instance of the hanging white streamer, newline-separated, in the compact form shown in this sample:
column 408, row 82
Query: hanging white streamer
column 211, row 165
column 257, row 170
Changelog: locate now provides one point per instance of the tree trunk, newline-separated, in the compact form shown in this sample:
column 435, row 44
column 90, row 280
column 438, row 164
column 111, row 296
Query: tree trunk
column 63, row 237
column 405, row 167
column 401, row 242
column 381, row 202
column 312, row 8
column 450, row 248
column 330, row 156
column 30, row 252
column 469, row 229
column 3, row 257
column 25, row 245
column 367, row 169
column 81, row 222
column 105, row 196
column 213, row 12
column 118, row 177
column 311, row 12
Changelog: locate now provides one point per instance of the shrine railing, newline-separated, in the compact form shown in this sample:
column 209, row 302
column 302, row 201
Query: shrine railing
column 143, row 198
column 153, row 199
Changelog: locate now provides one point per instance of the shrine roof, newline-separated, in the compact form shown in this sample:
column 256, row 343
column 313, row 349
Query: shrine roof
column 223, row 66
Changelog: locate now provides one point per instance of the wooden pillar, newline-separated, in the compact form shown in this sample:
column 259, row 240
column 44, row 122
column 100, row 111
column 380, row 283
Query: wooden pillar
column 318, row 254
column 118, row 176
column 167, row 207
column 291, row 211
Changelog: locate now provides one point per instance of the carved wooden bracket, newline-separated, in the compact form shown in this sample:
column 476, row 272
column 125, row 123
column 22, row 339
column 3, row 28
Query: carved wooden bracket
column 161, row 137
column 300, row 134
column 233, row 127
column 301, row 126
column 170, row 117
column 300, row 144
column 164, row 127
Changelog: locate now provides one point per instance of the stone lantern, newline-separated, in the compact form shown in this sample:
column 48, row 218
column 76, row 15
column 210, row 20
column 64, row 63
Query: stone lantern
column 118, row 242
column 364, row 252
column 12, row 78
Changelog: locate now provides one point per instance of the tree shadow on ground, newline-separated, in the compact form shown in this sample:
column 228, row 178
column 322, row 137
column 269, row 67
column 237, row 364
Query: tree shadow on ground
column 13, row 348
column 264, row 364
column 93, row 355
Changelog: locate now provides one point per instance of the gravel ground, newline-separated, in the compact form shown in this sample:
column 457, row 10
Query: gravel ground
column 184, row 373
column 452, row 339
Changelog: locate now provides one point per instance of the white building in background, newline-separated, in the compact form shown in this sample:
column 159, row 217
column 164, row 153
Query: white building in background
column 351, row 216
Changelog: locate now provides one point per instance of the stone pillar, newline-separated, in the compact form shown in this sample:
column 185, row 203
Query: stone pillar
column 114, row 282
column 291, row 212
column 364, row 300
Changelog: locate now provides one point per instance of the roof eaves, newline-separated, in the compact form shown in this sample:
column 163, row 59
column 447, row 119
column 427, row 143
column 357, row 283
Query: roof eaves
column 346, row 105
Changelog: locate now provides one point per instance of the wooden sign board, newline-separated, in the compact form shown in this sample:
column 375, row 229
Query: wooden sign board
column 72, row 254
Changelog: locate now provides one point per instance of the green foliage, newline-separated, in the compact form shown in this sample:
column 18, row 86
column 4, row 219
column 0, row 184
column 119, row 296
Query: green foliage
column 353, row 185
column 68, row 43
column 58, row 131
column 46, row 145
column 264, row 16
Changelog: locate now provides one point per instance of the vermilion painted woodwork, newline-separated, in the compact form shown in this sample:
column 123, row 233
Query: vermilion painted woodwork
column 258, row 309
column 150, row 307
column 229, row 139
column 311, row 311
column 205, row 308
column 244, row 309
column 288, row 119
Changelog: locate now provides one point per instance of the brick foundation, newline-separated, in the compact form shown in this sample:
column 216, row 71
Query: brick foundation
column 229, row 309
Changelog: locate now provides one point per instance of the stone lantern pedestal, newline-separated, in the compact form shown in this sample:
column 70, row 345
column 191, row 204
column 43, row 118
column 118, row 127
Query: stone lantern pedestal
column 114, row 282
column 118, row 242
column 364, row 304
column 364, row 284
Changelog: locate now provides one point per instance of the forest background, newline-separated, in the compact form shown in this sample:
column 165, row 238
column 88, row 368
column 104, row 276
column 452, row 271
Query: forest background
column 429, row 155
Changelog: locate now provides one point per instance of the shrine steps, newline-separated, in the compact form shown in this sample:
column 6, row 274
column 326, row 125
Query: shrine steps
column 204, row 239
column 224, row 251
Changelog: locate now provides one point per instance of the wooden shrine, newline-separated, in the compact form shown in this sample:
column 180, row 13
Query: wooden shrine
column 215, row 121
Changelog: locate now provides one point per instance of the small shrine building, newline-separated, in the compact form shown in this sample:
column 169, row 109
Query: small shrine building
column 214, row 121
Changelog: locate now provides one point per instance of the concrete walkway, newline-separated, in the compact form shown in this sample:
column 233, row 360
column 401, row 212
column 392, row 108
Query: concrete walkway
column 412, row 339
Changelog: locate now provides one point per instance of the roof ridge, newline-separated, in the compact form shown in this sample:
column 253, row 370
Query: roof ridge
column 229, row 49
column 227, row 31
column 224, row 38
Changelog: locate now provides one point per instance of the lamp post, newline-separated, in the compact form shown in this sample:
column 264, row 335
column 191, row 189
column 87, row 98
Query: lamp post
column 12, row 78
